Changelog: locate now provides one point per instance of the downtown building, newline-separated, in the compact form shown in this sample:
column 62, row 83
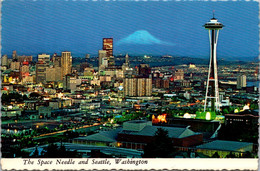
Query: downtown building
column 41, row 68
column 44, row 57
column 108, row 47
column 137, row 86
column 4, row 61
column 241, row 81
column 66, row 63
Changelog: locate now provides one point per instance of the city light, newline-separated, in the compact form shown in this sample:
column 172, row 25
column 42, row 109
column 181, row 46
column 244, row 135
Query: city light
column 117, row 103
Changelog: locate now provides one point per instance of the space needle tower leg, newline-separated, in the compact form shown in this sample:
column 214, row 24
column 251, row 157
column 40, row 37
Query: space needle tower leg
column 212, row 91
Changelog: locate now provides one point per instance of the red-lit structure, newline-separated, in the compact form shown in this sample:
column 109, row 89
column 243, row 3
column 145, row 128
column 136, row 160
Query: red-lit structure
column 108, row 47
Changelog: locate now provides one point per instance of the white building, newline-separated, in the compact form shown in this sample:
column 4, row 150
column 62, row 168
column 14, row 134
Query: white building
column 241, row 81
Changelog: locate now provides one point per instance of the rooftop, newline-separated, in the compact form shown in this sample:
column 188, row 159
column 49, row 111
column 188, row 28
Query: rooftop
column 173, row 132
column 104, row 136
column 224, row 145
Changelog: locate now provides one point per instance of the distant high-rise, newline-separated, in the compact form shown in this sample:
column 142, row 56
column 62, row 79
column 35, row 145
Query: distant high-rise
column 138, row 87
column 212, row 91
column 44, row 57
column 14, row 55
column 41, row 72
column 241, row 81
column 56, row 60
column 101, row 55
column 108, row 47
column 126, row 65
column 66, row 63
column 53, row 77
column 87, row 57
column 24, row 58
column 15, row 66
column 4, row 60
column 144, row 70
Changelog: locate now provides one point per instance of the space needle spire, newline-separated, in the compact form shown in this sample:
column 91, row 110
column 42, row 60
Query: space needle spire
column 212, row 91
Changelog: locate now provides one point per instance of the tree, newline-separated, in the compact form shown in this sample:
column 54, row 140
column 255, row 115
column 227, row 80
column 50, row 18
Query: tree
column 34, row 95
column 248, row 155
column 231, row 155
column 161, row 145
column 53, row 151
column 215, row 155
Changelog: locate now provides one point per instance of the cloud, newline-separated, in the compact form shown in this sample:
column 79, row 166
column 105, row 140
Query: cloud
column 142, row 37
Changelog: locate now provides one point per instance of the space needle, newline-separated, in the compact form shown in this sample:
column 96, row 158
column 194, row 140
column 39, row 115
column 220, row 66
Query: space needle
column 212, row 91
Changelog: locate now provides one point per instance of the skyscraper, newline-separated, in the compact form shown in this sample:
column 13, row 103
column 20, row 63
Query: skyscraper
column 127, row 59
column 213, row 26
column 108, row 47
column 66, row 63
column 41, row 71
column 4, row 60
column 126, row 65
column 14, row 55
column 44, row 57
column 101, row 55
column 241, row 81
column 138, row 86
column 56, row 60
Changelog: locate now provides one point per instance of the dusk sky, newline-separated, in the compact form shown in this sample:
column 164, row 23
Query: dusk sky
column 151, row 27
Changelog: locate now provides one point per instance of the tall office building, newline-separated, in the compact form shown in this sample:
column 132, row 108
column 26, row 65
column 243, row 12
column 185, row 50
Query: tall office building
column 101, row 55
column 53, row 74
column 126, row 65
column 144, row 70
column 14, row 55
column 108, row 47
column 24, row 58
column 44, row 57
column 212, row 91
column 138, row 87
column 241, row 81
column 15, row 65
column 4, row 60
column 41, row 71
column 56, row 60
column 66, row 63
column 24, row 71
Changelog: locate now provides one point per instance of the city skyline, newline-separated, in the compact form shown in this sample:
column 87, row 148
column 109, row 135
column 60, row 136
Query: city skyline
column 133, row 107
column 136, row 27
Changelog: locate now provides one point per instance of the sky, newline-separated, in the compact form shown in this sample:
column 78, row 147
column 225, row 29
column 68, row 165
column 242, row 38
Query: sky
column 137, row 27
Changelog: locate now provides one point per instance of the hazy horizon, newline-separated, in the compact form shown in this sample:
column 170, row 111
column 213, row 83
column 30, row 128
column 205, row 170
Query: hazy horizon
column 152, row 28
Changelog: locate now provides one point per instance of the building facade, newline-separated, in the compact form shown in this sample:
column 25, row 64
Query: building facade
column 41, row 71
column 108, row 47
column 66, row 63
column 241, row 81
column 137, row 87
column 44, row 57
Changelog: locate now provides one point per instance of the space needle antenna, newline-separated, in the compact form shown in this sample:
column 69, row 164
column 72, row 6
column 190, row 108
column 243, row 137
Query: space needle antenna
column 212, row 90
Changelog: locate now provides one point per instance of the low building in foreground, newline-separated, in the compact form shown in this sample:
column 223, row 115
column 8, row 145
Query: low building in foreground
column 86, row 150
column 224, row 148
column 137, row 133
column 104, row 138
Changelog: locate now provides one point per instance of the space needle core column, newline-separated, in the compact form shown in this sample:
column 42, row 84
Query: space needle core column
column 213, row 26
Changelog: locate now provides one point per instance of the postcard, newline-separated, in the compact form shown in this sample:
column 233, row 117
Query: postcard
column 129, row 84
